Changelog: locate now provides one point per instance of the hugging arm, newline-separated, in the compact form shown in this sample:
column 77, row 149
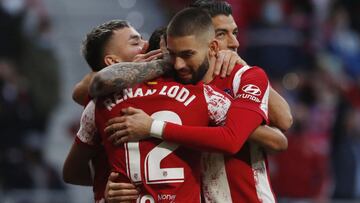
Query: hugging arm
column 279, row 111
column 76, row 169
column 80, row 92
column 125, row 74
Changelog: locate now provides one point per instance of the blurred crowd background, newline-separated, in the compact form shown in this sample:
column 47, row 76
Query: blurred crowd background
column 309, row 48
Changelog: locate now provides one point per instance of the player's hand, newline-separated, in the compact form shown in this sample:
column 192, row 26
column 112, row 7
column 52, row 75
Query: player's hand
column 151, row 55
column 133, row 126
column 116, row 192
column 225, row 62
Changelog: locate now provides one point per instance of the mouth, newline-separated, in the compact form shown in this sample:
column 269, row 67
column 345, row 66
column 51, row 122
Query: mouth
column 184, row 74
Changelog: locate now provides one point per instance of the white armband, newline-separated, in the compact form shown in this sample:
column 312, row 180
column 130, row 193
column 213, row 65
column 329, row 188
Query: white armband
column 157, row 128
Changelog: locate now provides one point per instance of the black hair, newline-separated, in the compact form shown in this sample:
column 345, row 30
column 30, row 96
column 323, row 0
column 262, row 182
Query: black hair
column 190, row 21
column 213, row 7
column 154, row 40
column 94, row 44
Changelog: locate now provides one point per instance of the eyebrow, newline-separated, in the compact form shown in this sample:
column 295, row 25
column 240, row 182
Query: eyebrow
column 221, row 30
column 225, row 30
column 135, row 37
column 188, row 51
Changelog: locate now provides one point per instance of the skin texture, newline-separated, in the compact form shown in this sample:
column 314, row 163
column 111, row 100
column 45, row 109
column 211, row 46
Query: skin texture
column 226, row 32
column 189, row 58
column 121, row 76
column 76, row 167
column 123, row 46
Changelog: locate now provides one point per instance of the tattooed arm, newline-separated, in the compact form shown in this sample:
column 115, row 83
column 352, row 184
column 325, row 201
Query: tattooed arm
column 123, row 75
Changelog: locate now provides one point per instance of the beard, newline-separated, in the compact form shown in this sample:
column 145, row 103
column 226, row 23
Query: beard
column 197, row 75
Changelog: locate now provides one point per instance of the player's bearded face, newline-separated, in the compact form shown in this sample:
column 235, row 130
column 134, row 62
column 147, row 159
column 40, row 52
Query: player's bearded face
column 197, row 73
column 189, row 55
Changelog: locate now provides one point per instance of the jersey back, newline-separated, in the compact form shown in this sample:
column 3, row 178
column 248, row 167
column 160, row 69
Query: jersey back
column 165, row 172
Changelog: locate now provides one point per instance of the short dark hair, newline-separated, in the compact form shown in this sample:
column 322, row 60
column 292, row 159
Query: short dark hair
column 214, row 7
column 190, row 21
column 96, row 40
column 155, row 38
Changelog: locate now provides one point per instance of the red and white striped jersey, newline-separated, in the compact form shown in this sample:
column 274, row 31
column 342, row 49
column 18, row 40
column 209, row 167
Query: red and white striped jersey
column 242, row 177
column 166, row 172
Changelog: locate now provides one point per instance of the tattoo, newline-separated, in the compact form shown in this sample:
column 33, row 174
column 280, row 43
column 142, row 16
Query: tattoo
column 124, row 75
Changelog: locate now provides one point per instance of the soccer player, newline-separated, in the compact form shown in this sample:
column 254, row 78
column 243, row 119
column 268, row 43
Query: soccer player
column 226, row 32
column 112, row 42
column 165, row 171
column 252, row 185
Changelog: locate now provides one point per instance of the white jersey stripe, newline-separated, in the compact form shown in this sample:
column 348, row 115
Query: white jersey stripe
column 261, row 178
column 214, row 179
column 237, row 79
column 265, row 101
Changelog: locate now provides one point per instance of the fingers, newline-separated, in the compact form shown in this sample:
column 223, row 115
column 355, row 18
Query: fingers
column 122, row 199
column 145, row 47
column 218, row 63
column 156, row 52
column 151, row 55
column 119, row 186
column 225, row 65
column 116, row 136
column 212, row 61
column 233, row 61
column 153, row 52
column 112, row 128
column 241, row 61
column 225, row 62
column 118, row 119
column 122, row 192
column 113, row 176
column 131, row 111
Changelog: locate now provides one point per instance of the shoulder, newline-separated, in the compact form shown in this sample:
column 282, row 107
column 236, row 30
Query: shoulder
column 254, row 71
column 87, row 124
column 218, row 104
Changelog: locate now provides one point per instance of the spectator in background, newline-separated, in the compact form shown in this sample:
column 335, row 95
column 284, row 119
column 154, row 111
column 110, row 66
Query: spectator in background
column 29, row 93
column 12, row 15
column 21, row 154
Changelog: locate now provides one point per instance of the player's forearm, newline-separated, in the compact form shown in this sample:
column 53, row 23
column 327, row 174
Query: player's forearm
column 123, row 75
column 81, row 90
column 76, row 168
column 279, row 111
column 225, row 139
column 272, row 139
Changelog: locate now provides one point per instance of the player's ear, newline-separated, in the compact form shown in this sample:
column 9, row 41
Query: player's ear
column 111, row 59
column 213, row 47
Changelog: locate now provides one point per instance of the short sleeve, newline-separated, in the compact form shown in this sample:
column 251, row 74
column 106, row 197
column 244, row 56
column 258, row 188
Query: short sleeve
column 88, row 131
column 251, row 90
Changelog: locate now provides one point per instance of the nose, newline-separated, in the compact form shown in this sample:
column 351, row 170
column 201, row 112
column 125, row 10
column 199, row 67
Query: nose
column 233, row 43
column 179, row 63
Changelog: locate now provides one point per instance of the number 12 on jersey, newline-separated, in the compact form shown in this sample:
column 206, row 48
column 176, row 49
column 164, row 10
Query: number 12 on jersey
column 153, row 173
